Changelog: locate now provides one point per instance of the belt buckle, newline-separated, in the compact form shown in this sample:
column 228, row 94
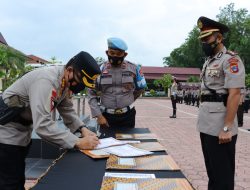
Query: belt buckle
column 118, row 111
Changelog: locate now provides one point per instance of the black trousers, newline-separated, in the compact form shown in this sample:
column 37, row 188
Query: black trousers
column 121, row 120
column 240, row 113
column 219, row 161
column 12, row 166
column 246, row 106
column 173, row 100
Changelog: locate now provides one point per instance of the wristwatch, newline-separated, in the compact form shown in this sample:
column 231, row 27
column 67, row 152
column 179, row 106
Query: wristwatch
column 226, row 129
column 79, row 130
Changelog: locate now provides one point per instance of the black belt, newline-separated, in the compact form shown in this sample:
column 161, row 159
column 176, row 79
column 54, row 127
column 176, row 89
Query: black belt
column 214, row 98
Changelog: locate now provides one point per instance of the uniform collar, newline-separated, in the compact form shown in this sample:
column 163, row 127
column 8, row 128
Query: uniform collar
column 220, row 53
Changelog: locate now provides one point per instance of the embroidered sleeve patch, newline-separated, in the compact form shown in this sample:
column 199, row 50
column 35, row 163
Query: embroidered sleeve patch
column 234, row 68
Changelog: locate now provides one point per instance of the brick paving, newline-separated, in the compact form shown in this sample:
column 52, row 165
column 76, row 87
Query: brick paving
column 182, row 142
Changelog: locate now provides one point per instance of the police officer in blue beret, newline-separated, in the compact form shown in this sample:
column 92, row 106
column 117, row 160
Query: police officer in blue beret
column 119, row 85
column 223, row 76
column 29, row 104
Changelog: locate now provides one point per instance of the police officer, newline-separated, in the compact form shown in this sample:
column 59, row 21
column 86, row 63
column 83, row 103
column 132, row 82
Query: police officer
column 117, row 88
column 173, row 97
column 240, row 111
column 223, row 75
column 29, row 103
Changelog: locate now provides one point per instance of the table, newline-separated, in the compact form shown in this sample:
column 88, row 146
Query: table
column 77, row 171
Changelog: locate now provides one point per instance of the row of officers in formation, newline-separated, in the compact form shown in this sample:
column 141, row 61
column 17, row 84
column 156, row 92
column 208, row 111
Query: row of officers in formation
column 192, row 97
column 113, row 88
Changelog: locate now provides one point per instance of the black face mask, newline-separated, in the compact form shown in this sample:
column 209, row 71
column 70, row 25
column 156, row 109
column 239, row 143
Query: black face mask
column 77, row 88
column 208, row 48
column 115, row 60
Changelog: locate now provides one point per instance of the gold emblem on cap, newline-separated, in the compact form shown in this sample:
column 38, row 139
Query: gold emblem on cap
column 200, row 25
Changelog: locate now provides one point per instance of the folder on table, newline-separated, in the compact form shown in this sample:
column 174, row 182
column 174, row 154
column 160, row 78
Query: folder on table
column 136, row 136
column 96, row 153
column 114, row 183
column 150, row 146
column 154, row 162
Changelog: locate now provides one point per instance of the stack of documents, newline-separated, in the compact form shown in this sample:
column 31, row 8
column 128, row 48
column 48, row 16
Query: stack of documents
column 110, row 145
column 126, row 151
column 107, row 142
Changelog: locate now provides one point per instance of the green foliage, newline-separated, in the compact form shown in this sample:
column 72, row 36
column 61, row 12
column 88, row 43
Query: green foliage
column 100, row 60
column 152, row 92
column 190, row 54
column 165, row 81
column 193, row 79
column 157, row 82
column 12, row 65
column 238, row 38
column 248, row 80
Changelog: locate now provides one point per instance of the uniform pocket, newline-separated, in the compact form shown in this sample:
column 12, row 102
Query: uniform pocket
column 106, row 84
column 127, row 83
column 216, row 107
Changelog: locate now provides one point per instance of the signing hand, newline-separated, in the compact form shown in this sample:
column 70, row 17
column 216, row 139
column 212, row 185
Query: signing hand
column 88, row 142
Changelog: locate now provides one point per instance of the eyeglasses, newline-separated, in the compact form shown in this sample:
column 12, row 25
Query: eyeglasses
column 116, row 53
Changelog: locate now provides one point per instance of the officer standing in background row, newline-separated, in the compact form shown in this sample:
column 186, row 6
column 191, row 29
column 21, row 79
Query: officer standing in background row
column 223, row 75
column 240, row 111
column 120, row 84
column 30, row 102
column 173, row 97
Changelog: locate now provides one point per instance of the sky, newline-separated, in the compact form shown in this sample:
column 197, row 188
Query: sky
column 63, row 28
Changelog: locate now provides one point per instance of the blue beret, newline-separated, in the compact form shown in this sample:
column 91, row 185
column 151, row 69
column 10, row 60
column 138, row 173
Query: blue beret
column 117, row 43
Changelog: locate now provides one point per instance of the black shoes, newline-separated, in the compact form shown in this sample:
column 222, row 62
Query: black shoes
column 173, row 116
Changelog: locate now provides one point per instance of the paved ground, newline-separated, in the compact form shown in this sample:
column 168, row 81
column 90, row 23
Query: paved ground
column 182, row 142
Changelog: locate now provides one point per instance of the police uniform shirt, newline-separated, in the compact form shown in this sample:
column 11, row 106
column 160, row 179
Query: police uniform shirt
column 174, row 89
column 115, row 86
column 223, row 71
column 39, row 90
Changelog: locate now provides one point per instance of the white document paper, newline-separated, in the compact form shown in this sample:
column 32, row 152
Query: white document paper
column 126, row 161
column 125, row 186
column 131, row 142
column 126, row 151
column 130, row 175
column 99, row 152
column 107, row 142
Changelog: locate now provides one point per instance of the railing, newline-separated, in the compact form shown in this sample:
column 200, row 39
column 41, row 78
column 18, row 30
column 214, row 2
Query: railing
column 78, row 99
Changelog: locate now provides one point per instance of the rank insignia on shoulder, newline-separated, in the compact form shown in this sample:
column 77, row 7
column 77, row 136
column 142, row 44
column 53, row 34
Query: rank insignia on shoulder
column 231, row 53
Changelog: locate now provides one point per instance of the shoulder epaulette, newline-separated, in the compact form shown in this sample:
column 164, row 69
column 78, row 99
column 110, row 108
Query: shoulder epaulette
column 231, row 53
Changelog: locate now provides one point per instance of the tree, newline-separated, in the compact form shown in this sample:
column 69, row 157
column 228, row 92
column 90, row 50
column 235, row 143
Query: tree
column 12, row 65
column 165, row 82
column 190, row 54
column 238, row 39
column 54, row 60
column 248, row 80
column 193, row 79
column 100, row 60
